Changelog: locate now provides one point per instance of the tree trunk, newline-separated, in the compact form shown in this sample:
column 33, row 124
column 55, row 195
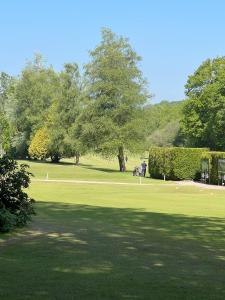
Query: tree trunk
column 77, row 158
column 121, row 159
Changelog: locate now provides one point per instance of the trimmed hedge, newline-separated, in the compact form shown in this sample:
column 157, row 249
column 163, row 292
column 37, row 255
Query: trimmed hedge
column 213, row 173
column 176, row 163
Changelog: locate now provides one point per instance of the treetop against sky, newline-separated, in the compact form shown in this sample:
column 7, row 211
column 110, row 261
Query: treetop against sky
column 173, row 37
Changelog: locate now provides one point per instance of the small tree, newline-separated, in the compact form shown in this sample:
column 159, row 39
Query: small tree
column 39, row 147
column 15, row 205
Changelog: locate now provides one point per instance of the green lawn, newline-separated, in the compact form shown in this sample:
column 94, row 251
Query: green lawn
column 90, row 168
column 116, row 242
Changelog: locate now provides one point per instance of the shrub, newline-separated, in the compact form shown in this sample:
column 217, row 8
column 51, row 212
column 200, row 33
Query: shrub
column 175, row 163
column 16, row 207
column 7, row 220
column 39, row 145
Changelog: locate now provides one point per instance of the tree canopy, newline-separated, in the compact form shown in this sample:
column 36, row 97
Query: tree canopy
column 105, row 109
column 203, row 123
column 35, row 90
column 116, row 92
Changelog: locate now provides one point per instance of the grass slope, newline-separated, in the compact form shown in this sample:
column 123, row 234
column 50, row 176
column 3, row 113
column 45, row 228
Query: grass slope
column 117, row 242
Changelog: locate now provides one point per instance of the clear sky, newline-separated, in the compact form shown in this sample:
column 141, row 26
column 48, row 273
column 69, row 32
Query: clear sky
column 172, row 36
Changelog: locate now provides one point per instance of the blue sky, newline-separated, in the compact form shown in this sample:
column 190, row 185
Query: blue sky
column 173, row 37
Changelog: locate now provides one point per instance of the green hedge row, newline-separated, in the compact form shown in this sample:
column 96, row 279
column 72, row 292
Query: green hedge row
column 176, row 163
column 184, row 163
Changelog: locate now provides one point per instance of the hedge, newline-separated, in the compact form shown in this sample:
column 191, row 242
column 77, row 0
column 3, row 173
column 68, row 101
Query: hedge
column 213, row 159
column 176, row 163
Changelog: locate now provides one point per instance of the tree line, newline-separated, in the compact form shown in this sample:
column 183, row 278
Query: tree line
column 56, row 114
column 49, row 114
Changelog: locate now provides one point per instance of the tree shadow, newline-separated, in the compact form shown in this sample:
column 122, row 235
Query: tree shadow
column 105, row 170
column 65, row 163
column 60, row 163
column 89, row 252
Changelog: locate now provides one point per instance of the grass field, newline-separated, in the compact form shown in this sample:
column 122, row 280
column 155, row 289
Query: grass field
column 90, row 168
column 109, row 241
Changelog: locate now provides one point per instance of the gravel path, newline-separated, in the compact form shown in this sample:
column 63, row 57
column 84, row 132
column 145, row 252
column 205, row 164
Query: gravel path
column 175, row 183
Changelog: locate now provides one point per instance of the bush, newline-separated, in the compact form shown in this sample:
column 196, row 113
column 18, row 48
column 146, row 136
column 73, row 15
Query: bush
column 39, row 146
column 175, row 163
column 16, row 207
column 7, row 220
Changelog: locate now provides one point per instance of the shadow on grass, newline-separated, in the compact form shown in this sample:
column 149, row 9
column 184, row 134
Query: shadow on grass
column 64, row 163
column 88, row 252
column 83, row 165
column 60, row 163
column 106, row 170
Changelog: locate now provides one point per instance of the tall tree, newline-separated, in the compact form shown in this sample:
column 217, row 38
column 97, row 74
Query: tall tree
column 63, row 113
column 35, row 91
column 112, row 121
column 203, row 123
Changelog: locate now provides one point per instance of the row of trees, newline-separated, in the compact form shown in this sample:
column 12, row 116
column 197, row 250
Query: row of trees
column 44, row 113
column 50, row 114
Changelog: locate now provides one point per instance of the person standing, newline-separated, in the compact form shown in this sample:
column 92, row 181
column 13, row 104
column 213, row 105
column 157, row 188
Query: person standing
column 143, row 166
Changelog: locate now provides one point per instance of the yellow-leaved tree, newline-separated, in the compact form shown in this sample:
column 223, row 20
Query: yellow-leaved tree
column 39, row 147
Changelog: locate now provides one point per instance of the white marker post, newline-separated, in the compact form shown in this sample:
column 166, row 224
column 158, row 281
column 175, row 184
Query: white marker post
column 47, row 176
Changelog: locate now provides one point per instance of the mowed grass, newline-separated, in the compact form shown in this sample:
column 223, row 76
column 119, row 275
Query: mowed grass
column 108, row 241
column 90, row 168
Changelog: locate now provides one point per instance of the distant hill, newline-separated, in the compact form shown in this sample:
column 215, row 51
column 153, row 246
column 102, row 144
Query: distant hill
column 163, row 123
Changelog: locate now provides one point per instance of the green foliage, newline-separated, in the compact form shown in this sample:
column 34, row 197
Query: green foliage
column 5, row 82
column 39, row 147
column 213, row 158
column 15, row 205
column 160, row 114
column 5, row 134
column 116, row 92
column 166, row 136
column 204, row 113
column 63, row 114
column 6, row 131
column 34, row 91
column 162, row 124
column 7, row 220
column 44, row 98
column 175, row 163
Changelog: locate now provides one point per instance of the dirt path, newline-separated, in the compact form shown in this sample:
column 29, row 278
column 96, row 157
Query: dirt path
column 201, row 185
